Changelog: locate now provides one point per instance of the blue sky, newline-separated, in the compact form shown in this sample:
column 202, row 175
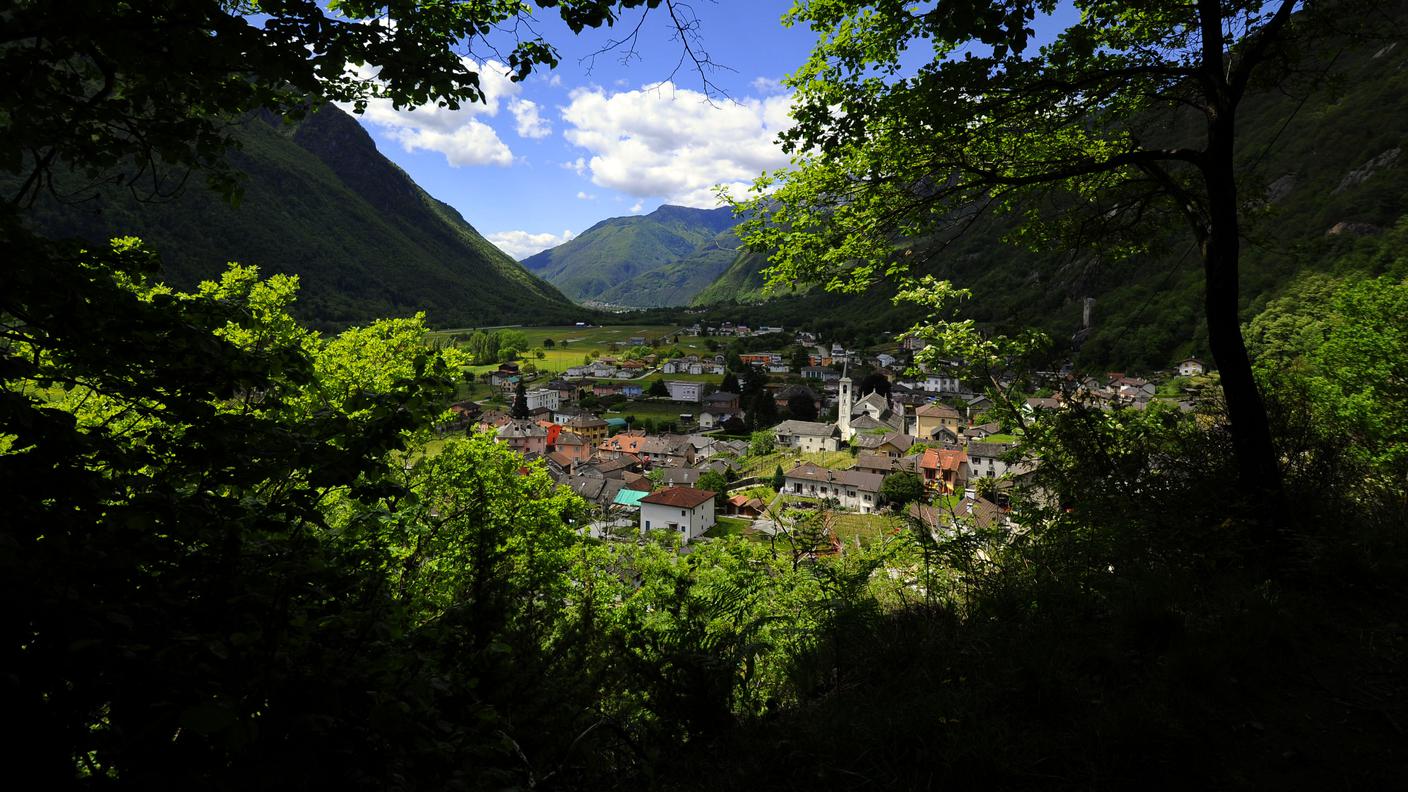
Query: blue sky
column 545, row 159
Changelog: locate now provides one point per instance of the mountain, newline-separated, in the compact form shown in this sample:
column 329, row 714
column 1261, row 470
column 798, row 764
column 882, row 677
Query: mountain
column 1322, row 167
column 643, row 261
column 321, row 202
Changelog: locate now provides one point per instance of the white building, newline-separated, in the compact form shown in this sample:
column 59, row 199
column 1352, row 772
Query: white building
column 939, row 383
column 1191, row 367
column 686, row 511
column 807, row 436
column 685, row 391
column 852, row 489
column 543, row 397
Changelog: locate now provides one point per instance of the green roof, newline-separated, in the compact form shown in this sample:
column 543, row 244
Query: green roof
column 616, row 422
column 630, row 497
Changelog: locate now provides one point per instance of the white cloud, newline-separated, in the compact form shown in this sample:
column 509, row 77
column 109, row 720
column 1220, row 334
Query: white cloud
column 637, row 207
column 472, row 143
column 525, row 115
column 663, row 141
column 522, row 244
column 458, row 134
column 579, row 165
column 767, row 85
column 585, row 196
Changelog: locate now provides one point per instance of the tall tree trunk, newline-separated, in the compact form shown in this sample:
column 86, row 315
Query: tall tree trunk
column 1258, row 468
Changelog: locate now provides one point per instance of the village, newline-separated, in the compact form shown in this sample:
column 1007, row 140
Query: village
column 702, row 432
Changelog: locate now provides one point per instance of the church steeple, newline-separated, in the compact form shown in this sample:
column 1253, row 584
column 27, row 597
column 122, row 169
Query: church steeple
column 844, row 404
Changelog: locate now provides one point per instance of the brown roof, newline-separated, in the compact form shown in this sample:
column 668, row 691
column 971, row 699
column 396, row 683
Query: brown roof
column 937, row 411
column 679, row 497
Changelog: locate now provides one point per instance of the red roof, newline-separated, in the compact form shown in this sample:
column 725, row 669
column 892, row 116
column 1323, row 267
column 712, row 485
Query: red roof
column 679, row 497
column 946, row 459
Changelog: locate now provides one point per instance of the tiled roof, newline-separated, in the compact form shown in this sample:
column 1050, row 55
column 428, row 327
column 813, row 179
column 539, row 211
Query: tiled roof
column 679, row 497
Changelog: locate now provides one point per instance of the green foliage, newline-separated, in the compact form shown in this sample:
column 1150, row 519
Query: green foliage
column 779, row 479
column 716, row 483
column 658, row 389
column 762, row 443
column 901, row 489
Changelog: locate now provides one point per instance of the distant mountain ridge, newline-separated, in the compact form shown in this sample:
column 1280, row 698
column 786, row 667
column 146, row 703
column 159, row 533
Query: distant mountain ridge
column 321, row 202
column 658, row 259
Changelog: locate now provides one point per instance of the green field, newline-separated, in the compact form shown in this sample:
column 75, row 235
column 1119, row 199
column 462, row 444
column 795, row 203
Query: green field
column 788, row 458
column 583, row 341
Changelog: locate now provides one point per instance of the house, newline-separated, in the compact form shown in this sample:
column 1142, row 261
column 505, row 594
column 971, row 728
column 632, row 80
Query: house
column 680, row 477
column 930, row 417
column 885, row 465
column 978, row 513
column 856, row 490
column 714, row 418
column 525, row 437
column 543, row 398
column 819, row 372
column 939, row 383
column 985, row 459
column 976, row 405
column 947, row 438
column 944, row 471
column 1191, row 367
column 685, row 511
column 681, row 391
column 572, row 446
column 808, row 435
column 588, row 426
column 886, row 360
column 722, row 400
column 744, row 506
column 760, row 358
column 596, row 489
column 982, row 431
column 893, row 444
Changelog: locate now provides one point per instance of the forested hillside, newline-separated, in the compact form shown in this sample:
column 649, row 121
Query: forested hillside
column 319, row 201
column 1323, row 160
column 662, row 258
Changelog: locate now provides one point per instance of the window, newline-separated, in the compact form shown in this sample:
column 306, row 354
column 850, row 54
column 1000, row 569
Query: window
column 681, row 512
column 647, row 525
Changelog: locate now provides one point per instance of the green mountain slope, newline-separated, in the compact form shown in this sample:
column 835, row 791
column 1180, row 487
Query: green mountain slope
column 662, row 258
column 1323, row 166
column 321, row 202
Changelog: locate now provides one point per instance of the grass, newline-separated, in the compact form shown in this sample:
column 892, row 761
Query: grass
column 657, row 410
column 582, row 341
column 788, row 458
column 727, row 526
column 865, row 527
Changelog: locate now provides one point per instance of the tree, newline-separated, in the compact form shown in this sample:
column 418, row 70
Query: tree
column 800, row 360
column 779, row 479
column 548, row 343
column 762, row 410
column 714, row 482
column 520, row 401
column 153, row 84
column 1128, row 116
column 762, row 443
column 730, row 383
column 874, row 382
column 658, row 388
column 901, row 488
column 801, row 407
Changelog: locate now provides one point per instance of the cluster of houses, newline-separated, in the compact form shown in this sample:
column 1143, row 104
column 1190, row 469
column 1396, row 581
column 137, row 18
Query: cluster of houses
column 926, row 425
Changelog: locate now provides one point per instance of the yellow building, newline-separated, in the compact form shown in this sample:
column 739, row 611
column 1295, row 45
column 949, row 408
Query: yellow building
column 930, row 417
